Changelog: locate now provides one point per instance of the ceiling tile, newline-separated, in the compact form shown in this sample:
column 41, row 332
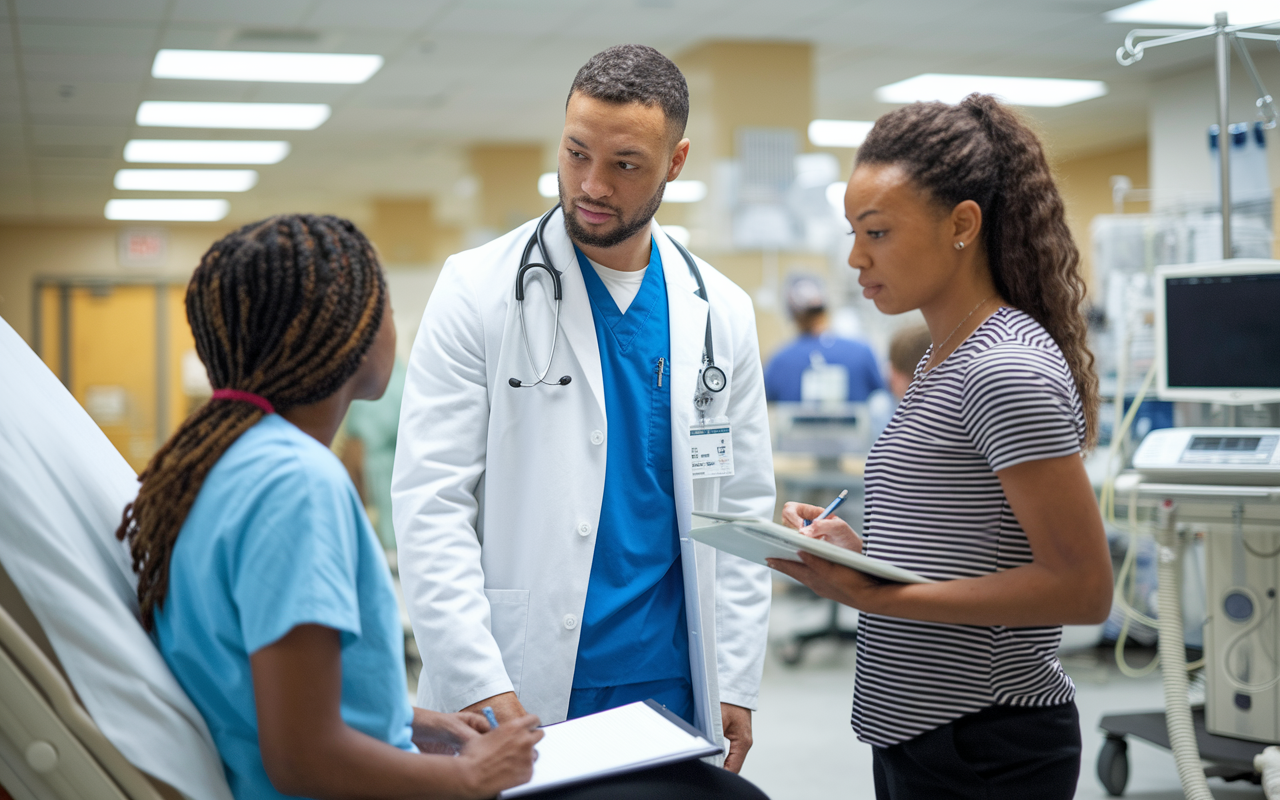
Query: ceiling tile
column 81, row 98
column 397, row 15
column 85, row 135
column 110, row 39
column 245, row 13
column 72, row 67
column 85, row 10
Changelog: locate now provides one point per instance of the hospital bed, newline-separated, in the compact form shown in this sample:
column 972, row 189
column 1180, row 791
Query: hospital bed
column 88, row 708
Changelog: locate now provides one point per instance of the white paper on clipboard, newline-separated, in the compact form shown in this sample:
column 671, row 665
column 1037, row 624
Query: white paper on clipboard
column 758, row 539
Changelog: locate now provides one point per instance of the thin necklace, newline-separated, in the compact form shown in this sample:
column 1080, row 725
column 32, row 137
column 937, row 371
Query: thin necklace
column 938, row 349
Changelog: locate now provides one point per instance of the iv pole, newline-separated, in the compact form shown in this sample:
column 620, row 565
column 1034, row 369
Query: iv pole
column 1225, row 36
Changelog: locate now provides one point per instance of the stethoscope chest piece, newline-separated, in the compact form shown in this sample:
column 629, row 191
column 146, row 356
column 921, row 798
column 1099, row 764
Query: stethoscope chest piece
column 713, row 378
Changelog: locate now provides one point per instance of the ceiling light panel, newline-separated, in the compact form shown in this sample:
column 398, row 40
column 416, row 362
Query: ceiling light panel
column 235, row 65
column 186, row 180
column 1044, row 92
column 167, row 210
column 675, row 191
column 684, row 191
column 548, row 185
column 192, row 151
column 838, row 132
column 1195, row 13
column 257, row 116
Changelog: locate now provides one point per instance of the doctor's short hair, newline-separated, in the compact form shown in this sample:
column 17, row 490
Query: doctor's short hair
column 636, row 73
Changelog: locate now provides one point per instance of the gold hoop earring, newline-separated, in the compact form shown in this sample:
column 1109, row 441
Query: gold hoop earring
column 959, row 245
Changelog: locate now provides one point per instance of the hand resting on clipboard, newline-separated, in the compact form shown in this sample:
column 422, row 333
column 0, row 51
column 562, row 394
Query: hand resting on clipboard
column 758, row 539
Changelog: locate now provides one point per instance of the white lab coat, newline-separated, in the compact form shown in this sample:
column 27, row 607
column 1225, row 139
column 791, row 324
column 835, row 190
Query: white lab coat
column 496, row 491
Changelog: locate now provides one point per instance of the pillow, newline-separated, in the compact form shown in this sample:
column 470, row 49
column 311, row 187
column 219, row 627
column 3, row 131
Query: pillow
column 65, row 487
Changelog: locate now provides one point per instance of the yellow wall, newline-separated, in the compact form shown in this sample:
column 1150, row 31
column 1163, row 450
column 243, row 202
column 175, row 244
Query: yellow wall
column 1085, row 183
column 28, row 252
column 756, row 84
column 508, row 175
column 734, row 85
column 406, row 231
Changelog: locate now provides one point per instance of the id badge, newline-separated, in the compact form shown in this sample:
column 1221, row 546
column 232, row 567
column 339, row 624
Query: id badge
column 711, row 444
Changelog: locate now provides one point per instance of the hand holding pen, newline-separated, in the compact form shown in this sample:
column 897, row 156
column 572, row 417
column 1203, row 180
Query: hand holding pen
column 829, row 510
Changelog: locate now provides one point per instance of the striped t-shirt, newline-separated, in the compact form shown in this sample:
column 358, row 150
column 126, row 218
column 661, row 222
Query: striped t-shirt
column 934, row 505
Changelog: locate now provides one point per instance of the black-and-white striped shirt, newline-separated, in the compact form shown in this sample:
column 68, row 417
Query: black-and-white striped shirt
column 934, row 505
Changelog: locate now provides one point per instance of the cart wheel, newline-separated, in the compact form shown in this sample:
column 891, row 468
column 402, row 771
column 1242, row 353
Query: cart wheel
column 1113, row 765
column 791, row 652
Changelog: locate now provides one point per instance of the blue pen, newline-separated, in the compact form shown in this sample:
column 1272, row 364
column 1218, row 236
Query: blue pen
column 826, row 512
column 488, row 714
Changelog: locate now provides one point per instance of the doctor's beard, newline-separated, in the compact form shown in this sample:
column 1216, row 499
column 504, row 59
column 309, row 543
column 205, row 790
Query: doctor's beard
column 626, row 227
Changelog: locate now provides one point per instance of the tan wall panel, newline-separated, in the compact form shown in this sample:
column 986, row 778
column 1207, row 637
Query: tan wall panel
column 180, row 343
column 755, row 84
column 407, row 231
column 508, row 175
column 31, row 251
column 113, row 344
column 51, row 328
column 1085, row 184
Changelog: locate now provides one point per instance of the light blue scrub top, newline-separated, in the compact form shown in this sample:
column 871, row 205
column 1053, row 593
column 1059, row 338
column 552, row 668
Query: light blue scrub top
column 277, row 538
column 634, row 643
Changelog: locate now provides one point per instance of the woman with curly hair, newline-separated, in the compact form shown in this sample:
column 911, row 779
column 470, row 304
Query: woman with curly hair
column 977, row 483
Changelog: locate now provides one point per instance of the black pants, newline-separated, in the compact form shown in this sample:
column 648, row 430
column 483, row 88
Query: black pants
column 999, row 753
column 688, row 780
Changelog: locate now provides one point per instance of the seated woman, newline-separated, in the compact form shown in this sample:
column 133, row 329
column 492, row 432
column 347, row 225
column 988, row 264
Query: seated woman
column 259, row 574
column 265, row 587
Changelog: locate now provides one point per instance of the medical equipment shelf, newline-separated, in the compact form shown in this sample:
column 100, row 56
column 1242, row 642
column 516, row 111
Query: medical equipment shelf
column 1224, row 757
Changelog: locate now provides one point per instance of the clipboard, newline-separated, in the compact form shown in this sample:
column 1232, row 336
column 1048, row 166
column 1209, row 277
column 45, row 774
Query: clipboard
column 758, row 539
column 626, row 739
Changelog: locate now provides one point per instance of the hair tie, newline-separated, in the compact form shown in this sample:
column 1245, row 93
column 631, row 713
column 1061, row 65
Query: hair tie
column 245, row 397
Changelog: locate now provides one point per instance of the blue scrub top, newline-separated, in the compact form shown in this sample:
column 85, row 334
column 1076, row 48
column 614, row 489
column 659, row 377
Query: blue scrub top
column 277, row 538
column 634, row 642
column 782, row 375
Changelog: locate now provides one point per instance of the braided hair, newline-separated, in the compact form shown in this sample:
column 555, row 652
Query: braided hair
column 285, row 308
column 980, row 150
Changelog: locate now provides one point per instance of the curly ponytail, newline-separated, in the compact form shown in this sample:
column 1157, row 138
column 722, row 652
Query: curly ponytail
column 980, row 150
column 285, row 308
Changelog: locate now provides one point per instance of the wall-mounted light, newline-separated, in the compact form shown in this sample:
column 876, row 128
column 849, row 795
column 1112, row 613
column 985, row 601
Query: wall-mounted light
column 237, row 65
column 192, row 151
column 548, row 185
column 1194, row 13
column 264, row 116
column 1046, row 92
column 168, row 210
column 675, row 191
column 838, row 132
column 684, row 191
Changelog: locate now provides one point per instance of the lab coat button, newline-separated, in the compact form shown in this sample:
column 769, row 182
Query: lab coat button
column 584, row 529
column 570, row 622
column 597, row 437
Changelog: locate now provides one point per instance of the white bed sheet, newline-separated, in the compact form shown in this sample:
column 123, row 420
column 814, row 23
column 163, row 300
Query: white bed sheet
column 62, row 490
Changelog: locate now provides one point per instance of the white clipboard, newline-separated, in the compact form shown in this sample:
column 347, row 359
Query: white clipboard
column 758, row 539
column 626, row 739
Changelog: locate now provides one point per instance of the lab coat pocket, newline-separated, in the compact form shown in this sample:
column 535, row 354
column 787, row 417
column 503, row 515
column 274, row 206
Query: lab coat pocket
column 509, row 622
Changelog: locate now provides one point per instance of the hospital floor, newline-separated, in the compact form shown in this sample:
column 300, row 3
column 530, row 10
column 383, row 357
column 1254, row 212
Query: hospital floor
column 804, row 748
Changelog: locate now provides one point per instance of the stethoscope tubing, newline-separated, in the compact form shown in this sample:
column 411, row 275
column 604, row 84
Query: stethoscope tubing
column 557, row 293
column 712, row 377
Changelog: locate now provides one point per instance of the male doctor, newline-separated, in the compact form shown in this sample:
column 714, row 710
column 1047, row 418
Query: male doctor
column 542, row 514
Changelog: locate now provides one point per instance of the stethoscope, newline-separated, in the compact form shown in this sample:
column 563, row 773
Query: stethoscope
column 710, row 380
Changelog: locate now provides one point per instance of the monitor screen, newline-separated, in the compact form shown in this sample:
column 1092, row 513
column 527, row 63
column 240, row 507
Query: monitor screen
column 1223, row 331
